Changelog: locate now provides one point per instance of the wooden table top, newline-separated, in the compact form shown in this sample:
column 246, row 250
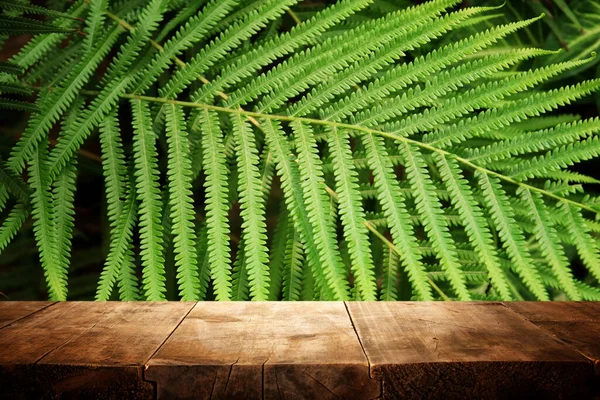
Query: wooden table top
column 308, row 350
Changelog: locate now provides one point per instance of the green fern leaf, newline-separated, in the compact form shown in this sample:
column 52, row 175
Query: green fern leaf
column 472, row 218
column 587, row 246
column 394, row 209
column 315, row 200
column 217, row 208
column 203, row 262
column 430, row 208
column 74, row 137
column 510, row 234
column 180, row 198
column 148, row 193
column 240, row 285
column 292, row 271
column 289, row 173
column 56, row 277
column 389, row 290
column 550, row 247
column 252, row 209
column 11, row 225
column 120, row 265
column 352, row 214
column 277, row 255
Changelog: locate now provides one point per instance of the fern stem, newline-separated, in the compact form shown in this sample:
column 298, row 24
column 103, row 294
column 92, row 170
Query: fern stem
column 252, row 115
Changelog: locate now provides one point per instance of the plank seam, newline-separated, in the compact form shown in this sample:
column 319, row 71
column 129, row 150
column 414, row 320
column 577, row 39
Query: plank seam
column 550, row 334
column 28, row 315
column 364, row 351
column 65, row 343
column 145, row 366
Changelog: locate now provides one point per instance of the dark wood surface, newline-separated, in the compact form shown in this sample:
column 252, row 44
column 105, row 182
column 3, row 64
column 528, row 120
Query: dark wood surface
column 327, row 350
column 576, row 324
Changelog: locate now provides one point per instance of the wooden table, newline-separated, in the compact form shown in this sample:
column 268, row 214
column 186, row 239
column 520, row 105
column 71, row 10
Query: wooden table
column 327, row 350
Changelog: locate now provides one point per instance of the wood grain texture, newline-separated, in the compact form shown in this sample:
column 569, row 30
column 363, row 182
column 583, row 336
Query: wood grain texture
column 574, row 323
column 275, row 350
column 89, row 350
column 466, row 350
column 26, row 341
column 16, row 310
column 557, row 311
column 299, row 350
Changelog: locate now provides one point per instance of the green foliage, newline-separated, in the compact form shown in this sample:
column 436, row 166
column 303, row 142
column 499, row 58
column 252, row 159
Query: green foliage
column 369, row 151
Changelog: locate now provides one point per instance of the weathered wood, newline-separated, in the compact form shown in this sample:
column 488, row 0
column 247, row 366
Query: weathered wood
column 86, row 349
column 299, row 350
column 576, row 324
column 466, row 350
column 557, row 311
column 275, row 350
column 16, row 310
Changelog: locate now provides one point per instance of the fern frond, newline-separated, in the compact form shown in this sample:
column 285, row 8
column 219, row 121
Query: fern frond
column 480, row 97
column 215, row 169
column 315, row 199
column 314, row 66
column 240, row 285
column 532, row 142
column 389, row 288
column 118, row 82
column 279, row 242
column 283, row 44
column 394, row 209
column 561, row 157
column 55, row 103
column 417, row 32
column 33, row 9
column 352, row 214
column 472, row 218
column 227, row 41
column 180, row 198
column 11, row 225
column 63, row 215
column 252, row 209
column 120, row 265
column 14, row 185
column 433, row 90
column 148, row 194
column 531, row 105
column 39, row 46
column 586, row 244
column 16, row 105
column 511, row 234
column 194, row 30
column 289, row 172
column 25, row 26
column 397, row 78
column 113, row 166
column 56, row 278
column 550, row 245
column 203, row 262
column 430, row 208
column 292, row 271
column 11, row 68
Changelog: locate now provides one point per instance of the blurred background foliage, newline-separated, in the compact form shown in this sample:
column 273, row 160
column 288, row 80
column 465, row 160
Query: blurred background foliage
column 573, row 27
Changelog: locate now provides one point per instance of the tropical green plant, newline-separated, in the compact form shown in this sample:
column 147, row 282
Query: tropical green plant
column 400, row 167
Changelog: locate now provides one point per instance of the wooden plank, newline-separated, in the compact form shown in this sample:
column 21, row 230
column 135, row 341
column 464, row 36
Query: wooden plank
column 275, row 350
column 574, row 323
column 465, row 350
column 26, row 341
column 557, row 311
column 86, row 349
column 110, row 356
column 11, row 311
